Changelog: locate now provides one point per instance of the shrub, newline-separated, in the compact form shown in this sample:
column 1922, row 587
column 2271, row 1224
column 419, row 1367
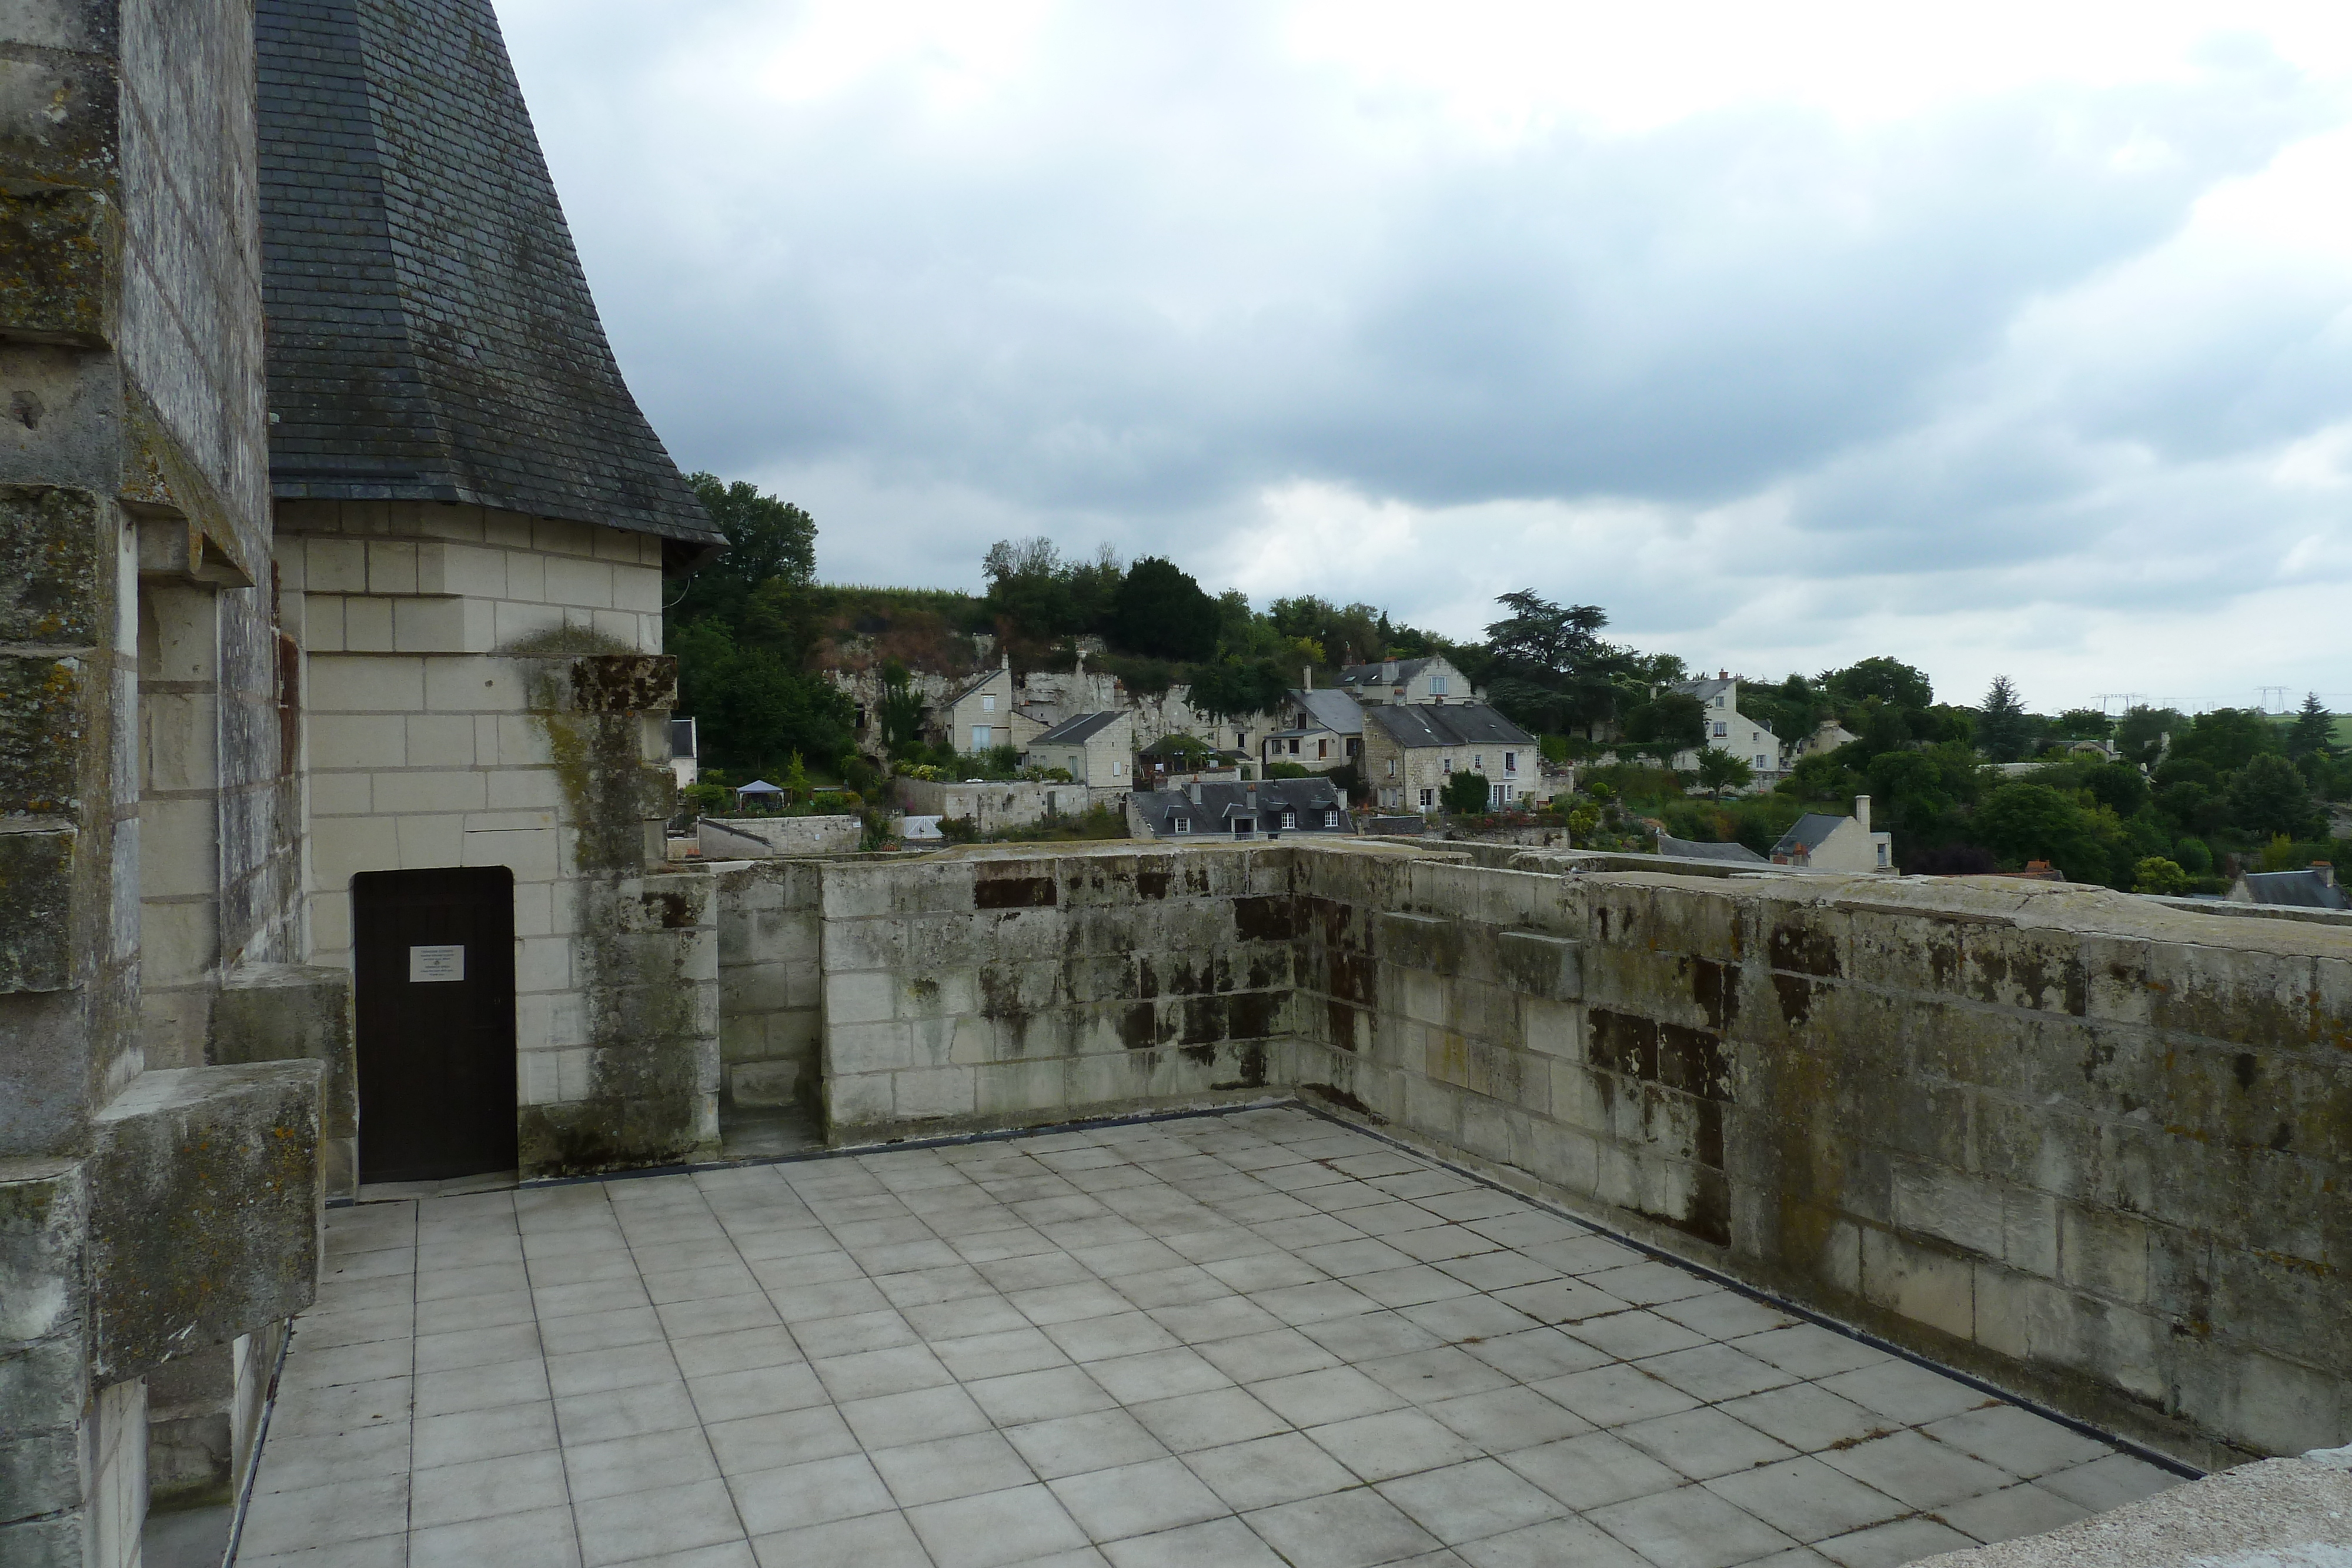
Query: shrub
column 2158, row 875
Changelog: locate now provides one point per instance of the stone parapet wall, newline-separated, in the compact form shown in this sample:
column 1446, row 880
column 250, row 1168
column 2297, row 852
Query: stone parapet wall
column 1002, row 991
column 1005, row 805
column 765, row 838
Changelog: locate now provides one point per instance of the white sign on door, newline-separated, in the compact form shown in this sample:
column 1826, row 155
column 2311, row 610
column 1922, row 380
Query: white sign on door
column 428, row 965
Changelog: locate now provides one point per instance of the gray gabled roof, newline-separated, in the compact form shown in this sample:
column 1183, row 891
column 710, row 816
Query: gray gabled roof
column 1335, row 711
column 1811, row 830
column 1076, row 730
column 1220, row 802
column 431, row 336
column 1420, row 724
column 1695, row 850
column 2301, row 889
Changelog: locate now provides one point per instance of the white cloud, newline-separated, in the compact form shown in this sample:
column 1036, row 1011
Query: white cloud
column 2015, row 337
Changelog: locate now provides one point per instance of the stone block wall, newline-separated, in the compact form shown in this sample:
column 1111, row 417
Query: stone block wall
column 2093, row 1148
column 770, row 993
column 985, row 992
column 994, row 806
column 765, row 838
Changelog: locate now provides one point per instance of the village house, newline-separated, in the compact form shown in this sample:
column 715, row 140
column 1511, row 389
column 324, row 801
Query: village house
column 1097, row 749
column 1826, row 738
column 986, row 714
column 1317, row 730
column 1241, row 811
column 1727, row 729
column 1410, row 751
column 1820, row 841
column 1408, row 682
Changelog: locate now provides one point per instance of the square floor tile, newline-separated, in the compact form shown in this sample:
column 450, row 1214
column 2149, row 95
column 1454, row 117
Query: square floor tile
column 809, row 1493
column 945, row 1468
column 2011, row 1512
column 1688, row 1528
column 2017, row 1440
column 1344, row 1530
column 1919, row 1470
column 1027, row 1396
column 870, row 1541
column 1807, row 1416
column 1333, row 1394
column 995, row 1528
column 1137, row 1499
column 1072, row 1445
column 1209, row 1420
column 773, row 1442
column 1505, row 1421
column 641, row 1463
column 484, row 1487
column 1592, row 1470
column 1703, row 1442
column 1219, row 1544
column 1806, row 1499
column 1614, row 1395
column 1392, row 1444
column 658, row 1522
column 889, row 1420
column 1887, row 1545
column 545, row 1538
column 1266, row 1471
column 1467, row 1502
column 1554, row 1543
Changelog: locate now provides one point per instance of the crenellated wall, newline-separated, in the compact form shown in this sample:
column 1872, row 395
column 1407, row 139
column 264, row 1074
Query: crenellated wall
column 2094, row 1148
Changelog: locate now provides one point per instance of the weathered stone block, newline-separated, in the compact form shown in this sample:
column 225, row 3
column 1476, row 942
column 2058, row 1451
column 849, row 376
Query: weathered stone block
column 205, row 1203
column 1928, row 1286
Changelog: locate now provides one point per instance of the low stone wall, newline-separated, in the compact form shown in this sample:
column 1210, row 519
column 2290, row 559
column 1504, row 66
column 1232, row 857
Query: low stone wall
column 999, row 990
column 769, row 999
column 767, row 838
column 2091, row 1148
column 995, row 806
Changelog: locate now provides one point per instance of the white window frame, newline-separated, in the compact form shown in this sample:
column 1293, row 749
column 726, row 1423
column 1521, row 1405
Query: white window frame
column 1290, row 819
column 1429, row 799
column 988, row 701
column 1330, row 818
column 1179, row 824
column 1437, row 687
column 1510, row 762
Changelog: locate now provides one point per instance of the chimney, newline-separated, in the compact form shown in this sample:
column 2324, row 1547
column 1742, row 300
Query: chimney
column 1723, row 674
column 1195, row 791
column 1861, row 811
column 1307, row 677
column 1387, row 672
column 2327, row 870
column 1082, row 662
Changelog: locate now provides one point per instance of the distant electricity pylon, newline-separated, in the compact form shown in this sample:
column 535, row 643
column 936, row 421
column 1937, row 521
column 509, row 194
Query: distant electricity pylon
column 2130, row 700
column 2266, row 705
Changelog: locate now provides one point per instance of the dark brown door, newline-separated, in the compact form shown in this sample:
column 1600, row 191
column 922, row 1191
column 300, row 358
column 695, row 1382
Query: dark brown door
column 434, row 956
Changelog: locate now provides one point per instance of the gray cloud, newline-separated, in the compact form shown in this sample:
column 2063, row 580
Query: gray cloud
column 1170, row 270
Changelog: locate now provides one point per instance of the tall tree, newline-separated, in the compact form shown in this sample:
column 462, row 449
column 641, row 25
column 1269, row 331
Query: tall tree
column 767, row 538
column 1889, row 680
column 2003, row 727
column 2268, row 797
column 1547, row 667
column 1719, row 770
column 2313, row 729
column 2143, row 732
column 1161, row 611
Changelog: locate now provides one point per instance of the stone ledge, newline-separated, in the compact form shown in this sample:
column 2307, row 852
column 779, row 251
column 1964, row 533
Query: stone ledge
column 206, row 1209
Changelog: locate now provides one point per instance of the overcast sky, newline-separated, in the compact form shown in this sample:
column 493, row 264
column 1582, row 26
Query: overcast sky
column 2017, row 341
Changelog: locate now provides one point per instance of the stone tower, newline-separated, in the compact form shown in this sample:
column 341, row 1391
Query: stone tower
column 473, row 520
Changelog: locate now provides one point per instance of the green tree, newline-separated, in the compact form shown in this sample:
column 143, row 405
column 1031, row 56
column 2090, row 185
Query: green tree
column 2024, row 822
column 1029, row 588
column 2158, row 875
column 2142, row 731
column 755, row 709
column 768, row 538
column 1465, row 794
column 1161, row 613
column 2003, row 727
column 1546, row 666
column 1666, row 724
column 2268, row 798
column 1891, row 680
column 1231, row 689
column 2227, row 738
column 2313, row 730
column 1719, row 770
column 900, row 712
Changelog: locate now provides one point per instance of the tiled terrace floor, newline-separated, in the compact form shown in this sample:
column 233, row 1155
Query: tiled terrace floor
column 1229, row 1340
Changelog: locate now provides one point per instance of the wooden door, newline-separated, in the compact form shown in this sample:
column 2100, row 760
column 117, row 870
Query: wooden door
column 433, row 955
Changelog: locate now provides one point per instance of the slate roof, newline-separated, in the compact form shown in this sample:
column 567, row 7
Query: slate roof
column 1373, row 675
column 431, row 336
column 1416, row 725
column 1811, row 830
column 1335, row 711
column 1221, row 802
column 1076, row 730
column 1695, row 850
column 2301, row 889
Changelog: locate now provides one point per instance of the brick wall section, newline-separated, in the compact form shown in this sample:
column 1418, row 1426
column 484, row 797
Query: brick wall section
column 1000, row 992
column 2093, row 1148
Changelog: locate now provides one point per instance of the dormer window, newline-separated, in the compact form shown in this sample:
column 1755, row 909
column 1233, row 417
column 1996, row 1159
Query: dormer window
column 1331, row 819
column 1290, row 819
column 1179, row 824
column 1437, row 687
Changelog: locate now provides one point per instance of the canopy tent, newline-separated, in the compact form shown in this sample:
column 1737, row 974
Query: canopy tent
column 759, row 786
